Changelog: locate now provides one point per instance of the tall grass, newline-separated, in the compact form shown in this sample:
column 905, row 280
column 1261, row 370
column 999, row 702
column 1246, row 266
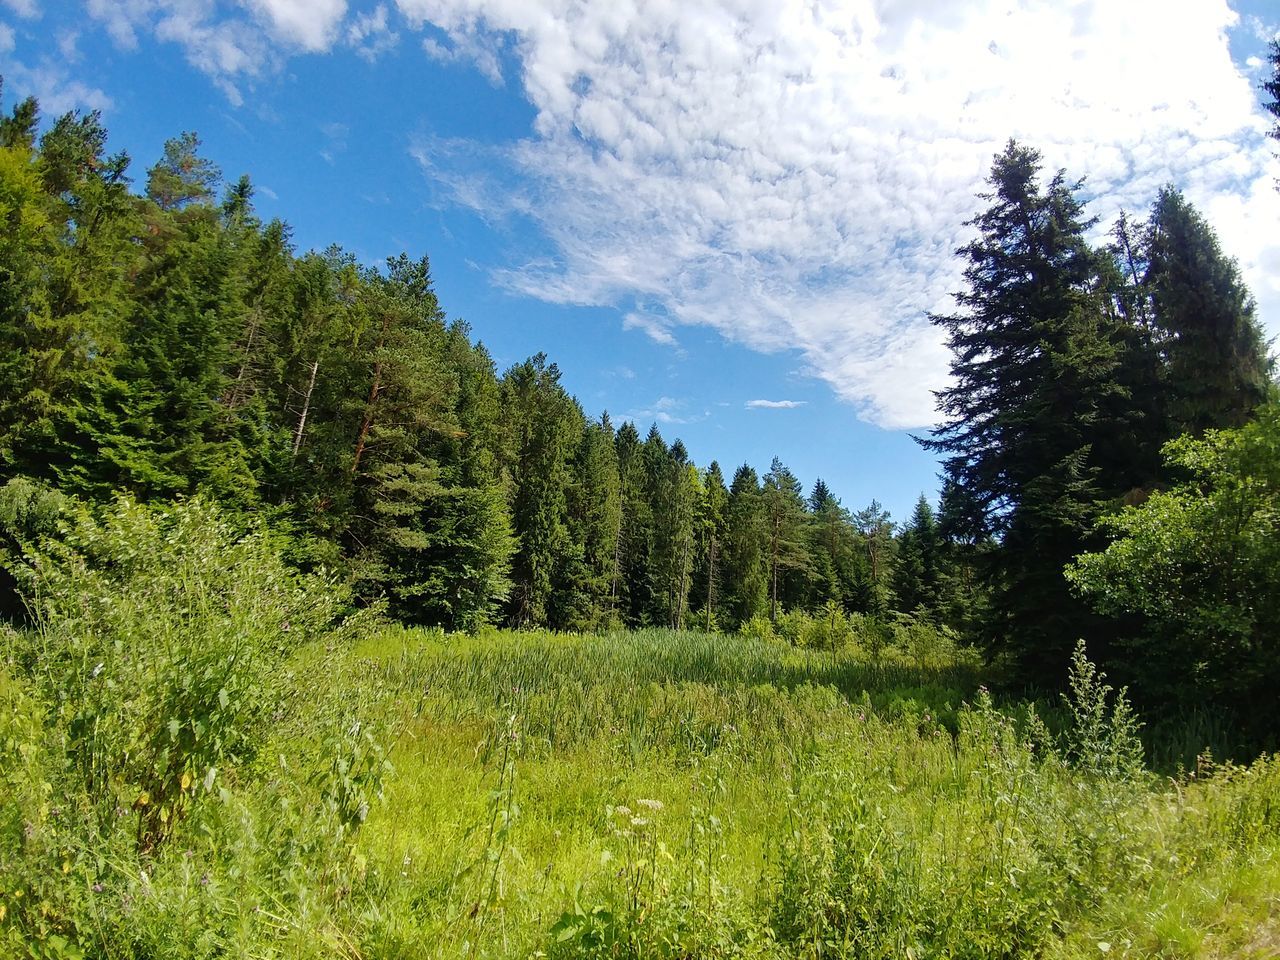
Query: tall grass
column 411, row 794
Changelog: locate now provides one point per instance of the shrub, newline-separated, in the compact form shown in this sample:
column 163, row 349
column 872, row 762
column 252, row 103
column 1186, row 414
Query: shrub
column 158, row 649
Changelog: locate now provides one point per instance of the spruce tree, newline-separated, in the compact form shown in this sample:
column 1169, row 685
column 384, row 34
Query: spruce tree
column 919, row 572
column 1215, row 355
column 708, row 575
column 787, row 553
column 832, row 549
column 544, row 424
column 745, row 549
column 1036, row 348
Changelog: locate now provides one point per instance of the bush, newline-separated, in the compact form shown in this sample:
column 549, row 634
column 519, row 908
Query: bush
column 158, row 649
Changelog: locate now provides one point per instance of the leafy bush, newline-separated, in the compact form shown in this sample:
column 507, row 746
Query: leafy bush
column 158, row 649
column 1196, row 572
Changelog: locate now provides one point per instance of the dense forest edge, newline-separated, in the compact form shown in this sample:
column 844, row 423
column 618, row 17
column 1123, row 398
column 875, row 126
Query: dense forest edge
column 323, row 637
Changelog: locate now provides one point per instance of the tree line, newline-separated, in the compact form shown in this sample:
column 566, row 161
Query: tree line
column 166, row 341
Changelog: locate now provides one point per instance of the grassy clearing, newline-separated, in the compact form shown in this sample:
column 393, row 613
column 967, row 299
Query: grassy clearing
column 651, row 794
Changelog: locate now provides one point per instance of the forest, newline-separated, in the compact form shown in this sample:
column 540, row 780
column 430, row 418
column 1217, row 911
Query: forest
column 322, row 636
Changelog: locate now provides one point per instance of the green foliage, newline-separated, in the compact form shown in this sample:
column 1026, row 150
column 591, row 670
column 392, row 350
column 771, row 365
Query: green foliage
column 1195, row 566
column 158, row 647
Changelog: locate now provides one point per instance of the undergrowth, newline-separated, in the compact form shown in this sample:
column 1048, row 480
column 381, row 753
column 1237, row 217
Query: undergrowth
column 204, row 754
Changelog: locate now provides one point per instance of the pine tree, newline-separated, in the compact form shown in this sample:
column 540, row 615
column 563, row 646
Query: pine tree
column 785, row 525
column 918, row 573
column 544, row 424
column 745, row 549
column 1036, row 350
column 1215, row 354
column 182, row 177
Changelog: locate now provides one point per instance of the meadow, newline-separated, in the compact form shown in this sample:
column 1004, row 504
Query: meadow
column 203, row 754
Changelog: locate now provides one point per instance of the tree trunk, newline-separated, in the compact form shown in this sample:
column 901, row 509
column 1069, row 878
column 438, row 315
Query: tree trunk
column 363, row 436
column 711, row 581
column 773, row 569
column 306, row 408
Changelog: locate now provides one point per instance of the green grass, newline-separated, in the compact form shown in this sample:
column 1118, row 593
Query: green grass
column 660, row 794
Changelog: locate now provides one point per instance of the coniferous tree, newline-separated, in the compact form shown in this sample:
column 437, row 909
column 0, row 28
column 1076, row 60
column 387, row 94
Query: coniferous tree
column 1271, row 86
column 1035, row 354
column 919, row 573
column 875, row 536
column 1216, row 366
column 594, row 513
column 745, row 549
column 544, row 424
column 785, row 519
column 631, row 589
column 832, row 550
column 712, row 522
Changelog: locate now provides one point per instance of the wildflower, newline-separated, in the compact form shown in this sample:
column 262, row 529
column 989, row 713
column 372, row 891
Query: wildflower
column 622, row 811
column 96, row 888
column 650, row 804
column 639, row 822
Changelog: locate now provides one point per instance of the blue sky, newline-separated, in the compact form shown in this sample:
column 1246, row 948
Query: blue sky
column 729, row 217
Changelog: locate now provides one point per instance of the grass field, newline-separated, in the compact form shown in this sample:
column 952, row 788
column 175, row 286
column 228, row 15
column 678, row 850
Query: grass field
column 655, row 794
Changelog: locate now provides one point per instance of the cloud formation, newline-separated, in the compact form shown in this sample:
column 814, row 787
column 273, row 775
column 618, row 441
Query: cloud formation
column 774, row 404
column 797, row 174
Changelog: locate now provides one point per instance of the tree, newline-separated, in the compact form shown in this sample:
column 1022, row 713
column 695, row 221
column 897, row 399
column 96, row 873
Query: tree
column 1215, row 354
column 785, row 528
column 631, row 589
column 745, row 547
column 875, row 534
column 594, row 513
column 1271, row 86
column 919, row 573
column 182, row 177
column 711, row 525
column 1196, row 570
column 1035, row 349
column 544, row 424
column 832, row 550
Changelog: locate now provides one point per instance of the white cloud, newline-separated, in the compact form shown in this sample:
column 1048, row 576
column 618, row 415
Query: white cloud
column 370, row 34
column 774, row 404
column 27, row 9
column 309, row 24
column 667, row 411
column 48, row 83
column 655, row 328
column 795, row 174
column 229, row 48
column 7, row 41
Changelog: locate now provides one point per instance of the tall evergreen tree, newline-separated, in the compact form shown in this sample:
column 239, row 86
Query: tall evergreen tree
column 544, row 425
column 919, row 573
column 1215, row 354
column 594, row 512
column 745, row 549
column 832, row 549
column 875, row 537
column 1035, row 353
column 785, row 520
column 712, row 523
column 1271, row 86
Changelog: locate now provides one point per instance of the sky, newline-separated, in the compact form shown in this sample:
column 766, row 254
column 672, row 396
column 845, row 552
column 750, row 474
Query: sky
column 730, row 218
